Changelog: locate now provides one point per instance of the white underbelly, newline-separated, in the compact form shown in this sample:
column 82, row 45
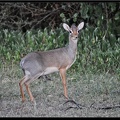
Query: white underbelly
column 49, row 70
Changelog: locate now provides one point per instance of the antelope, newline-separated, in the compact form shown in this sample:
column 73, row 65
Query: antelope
column 40, row 63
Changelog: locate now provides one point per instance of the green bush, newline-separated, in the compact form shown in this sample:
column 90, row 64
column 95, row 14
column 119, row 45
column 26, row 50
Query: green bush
column 94, row 52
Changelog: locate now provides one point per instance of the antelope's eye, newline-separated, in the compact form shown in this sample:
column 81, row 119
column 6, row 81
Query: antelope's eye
column 70, row 31
column 78, row 31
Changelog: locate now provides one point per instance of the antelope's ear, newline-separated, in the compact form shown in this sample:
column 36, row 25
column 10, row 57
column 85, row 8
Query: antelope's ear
column 80, row 26
column 66, row 27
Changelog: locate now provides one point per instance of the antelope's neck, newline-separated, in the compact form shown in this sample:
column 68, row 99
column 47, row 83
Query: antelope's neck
column 72, row 48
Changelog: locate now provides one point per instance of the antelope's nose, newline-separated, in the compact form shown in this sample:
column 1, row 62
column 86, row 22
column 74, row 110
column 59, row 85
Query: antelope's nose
column 76, row 37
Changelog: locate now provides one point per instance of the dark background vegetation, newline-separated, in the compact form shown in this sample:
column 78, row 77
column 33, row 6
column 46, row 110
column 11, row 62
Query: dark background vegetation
column 28, row 26
column 38, row 15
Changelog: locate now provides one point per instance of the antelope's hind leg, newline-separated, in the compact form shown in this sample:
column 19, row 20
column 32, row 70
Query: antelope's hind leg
column 22, row 81
column 27, row 83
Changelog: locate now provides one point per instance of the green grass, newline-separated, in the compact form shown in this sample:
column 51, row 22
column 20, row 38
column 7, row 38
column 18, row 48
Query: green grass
column 98, row 89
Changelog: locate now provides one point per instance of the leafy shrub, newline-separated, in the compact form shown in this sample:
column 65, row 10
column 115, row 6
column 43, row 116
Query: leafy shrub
column 94, row 52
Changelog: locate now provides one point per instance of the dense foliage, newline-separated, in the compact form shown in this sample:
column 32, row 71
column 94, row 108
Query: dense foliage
column 24, row 28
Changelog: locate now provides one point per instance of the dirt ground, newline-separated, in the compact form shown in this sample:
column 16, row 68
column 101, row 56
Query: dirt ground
column 96, row 95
